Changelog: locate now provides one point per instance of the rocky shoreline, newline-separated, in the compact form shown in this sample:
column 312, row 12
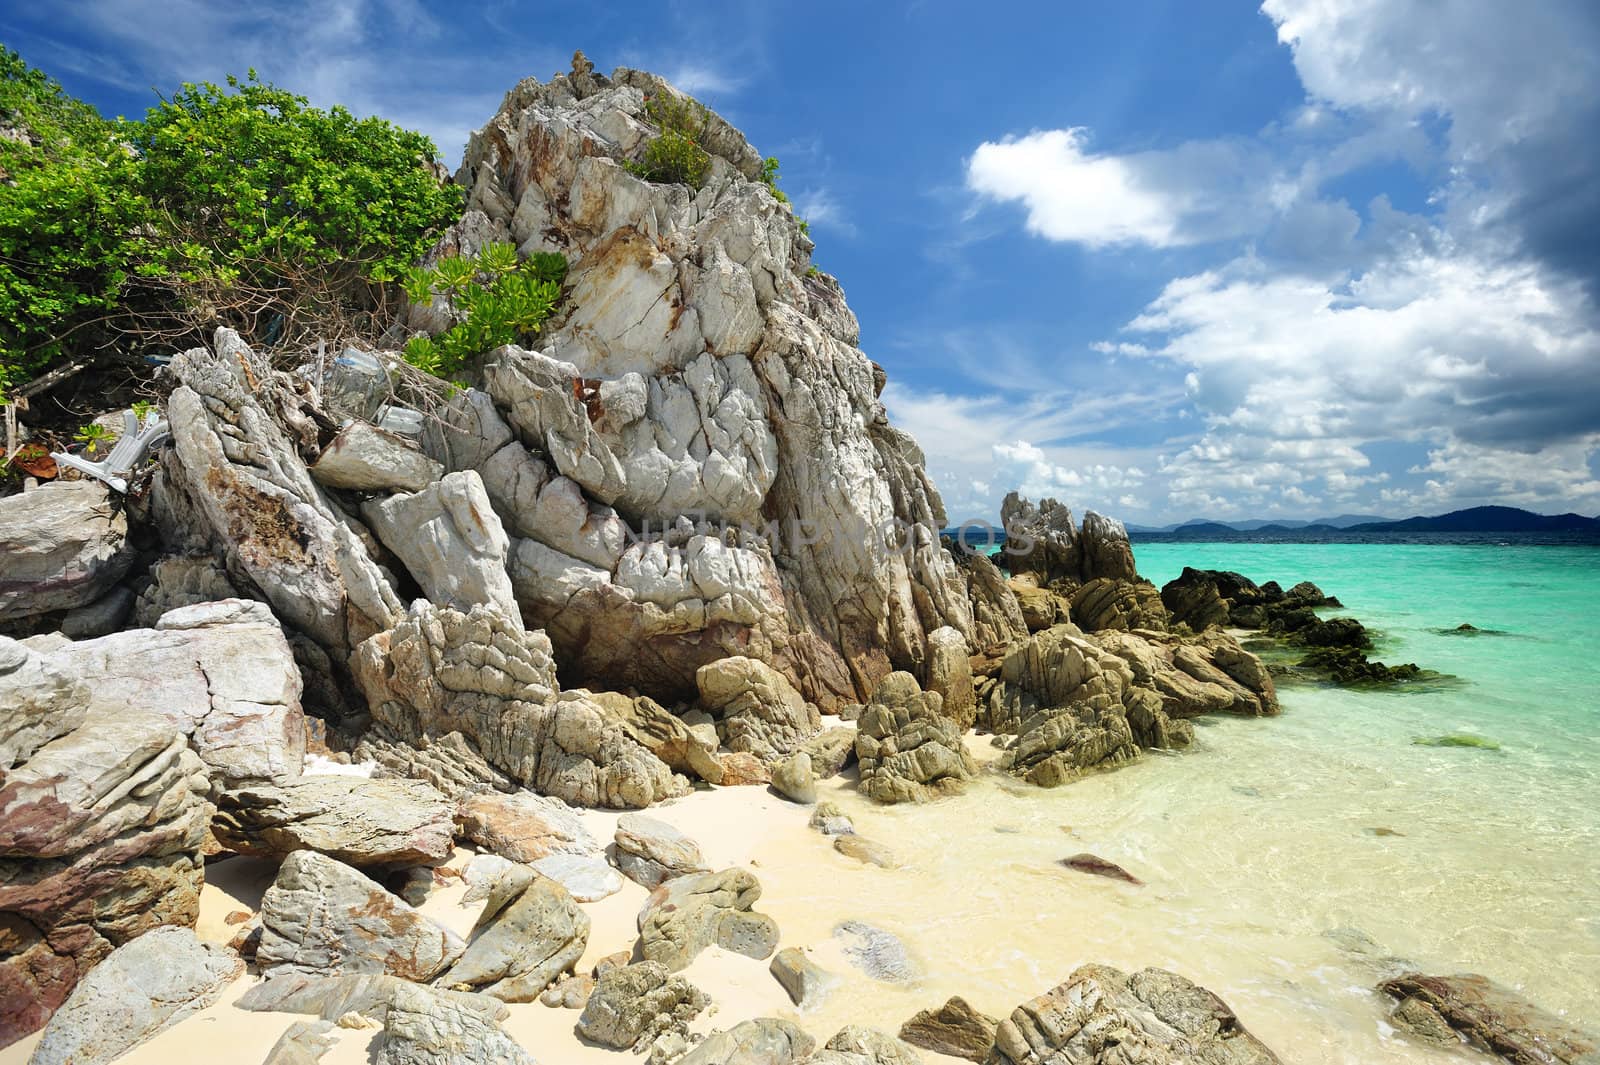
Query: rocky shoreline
column 678, row 550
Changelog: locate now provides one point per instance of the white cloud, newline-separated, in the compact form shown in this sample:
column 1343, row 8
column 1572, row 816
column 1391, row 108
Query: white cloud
column 700, row 79
column 820, row 207
column 1072, row 195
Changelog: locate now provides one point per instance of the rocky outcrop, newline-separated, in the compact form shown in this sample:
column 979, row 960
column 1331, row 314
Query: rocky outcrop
column 949, row 673
column 996, row 615
column 529, row 932
column 955, row 1029
column 767, row 1040
column 523, row 827
column 322, row 918
column 649, row 851
column 633, row 1005
column 696, row 372
column 805, row 981
column 235, row 483
column 356, row 820
column 664, row 734
column 757, row 710
column 423, row 1027
column 1447, row 1010
column 146, row 985
column 1103, row 1016
column 109, row 751
column 442, row 671
column 908, row 749
column 451, row 541
column 364, row 458
column 687, row 914
column 856, row 1045
column 62, row 545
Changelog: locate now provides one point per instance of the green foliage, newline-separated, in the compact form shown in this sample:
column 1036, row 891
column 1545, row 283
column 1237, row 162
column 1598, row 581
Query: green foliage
column 69, row 218
column 142, row 409
column 769, row 178
column 235, row 205
column 94, row 437
column 252, row 178
column 674, row 156
column 505, row 301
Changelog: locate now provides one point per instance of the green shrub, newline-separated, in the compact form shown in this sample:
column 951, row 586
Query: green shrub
column 69, row 217
column 505, row 302
column 235, row 205
column 674, row 156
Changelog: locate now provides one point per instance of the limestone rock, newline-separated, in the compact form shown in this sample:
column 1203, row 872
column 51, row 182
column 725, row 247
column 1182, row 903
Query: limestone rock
column 235, row 481
column 950, row 675
column 181, row 580
column 634, row 1005
column 1104, row 603
column 302, row 1043
column 831, row 750
column 996, row 615
column 955, row 1029
column 142, row 987
column 523, row 827
column 698, row 370
column 1042, row 540
column 569, row 992
column 664, row 733
column 804, row 980
column 480, row 674
column 422, row 1027
column 689, row 913
column 451, row 540
column 321, row 917
column 366, row 994
column 530, row 931
column 828, row 819
column 742, row 768
column 356, row 820
column 856, row 1045
column 587, row 877
column 1102, row 1016
column 649, row 851
column 1491, row 1018
column 62, row 545
column 908, row 749
column 878, row 953
column 762, row 1041
column 794, row 780
column 758, row 710
column 1106, row 550
column 480, row 876
column 364, row 458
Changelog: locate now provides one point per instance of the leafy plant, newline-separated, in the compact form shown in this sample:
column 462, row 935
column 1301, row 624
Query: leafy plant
column 504, row 300
column 674, row 156
column 93, row 437
column 142, row 409
column 769, row 178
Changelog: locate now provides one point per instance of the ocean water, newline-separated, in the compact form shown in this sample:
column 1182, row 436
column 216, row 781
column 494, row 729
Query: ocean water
column 1291, row 862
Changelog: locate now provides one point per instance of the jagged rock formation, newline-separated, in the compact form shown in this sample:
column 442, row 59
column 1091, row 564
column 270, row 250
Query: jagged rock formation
column 1103, row 1016
column 358, row 821
column 144, row 986
column 109, row 751
column 1445, row 1010
column 687, row 914
column 529, row 932
column 634, row 1004
column 728, row 390
column 955, row 1028
column 440, row 671
column 62, row 545
column 908, row 749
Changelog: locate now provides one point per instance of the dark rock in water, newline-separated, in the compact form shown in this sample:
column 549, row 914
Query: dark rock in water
column 1458, row 739
column 1098, row 866
column 1466, row 626
column 1468, row 629
column 955, row 1029
column 1347, row 665
column 875, row 952
column 1244, row 789
column 1335, row 632
column 1492, row 1018
column 1103, row 1016
column 1380, row 831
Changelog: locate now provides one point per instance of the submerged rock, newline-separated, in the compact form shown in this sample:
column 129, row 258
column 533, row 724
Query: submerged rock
column 1469, row 1007
column 1095, row 865
column 879, row 954
column 1103, row 1016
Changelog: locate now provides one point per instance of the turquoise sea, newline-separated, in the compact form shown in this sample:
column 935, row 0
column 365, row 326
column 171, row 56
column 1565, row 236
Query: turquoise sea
column 1292, row 862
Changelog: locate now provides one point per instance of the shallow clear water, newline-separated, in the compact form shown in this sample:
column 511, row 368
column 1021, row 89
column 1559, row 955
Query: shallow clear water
column 1260, row 841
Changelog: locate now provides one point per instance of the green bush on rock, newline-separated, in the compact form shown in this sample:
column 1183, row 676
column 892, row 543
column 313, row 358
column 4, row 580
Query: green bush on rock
column 504, row 301
column 674, row 155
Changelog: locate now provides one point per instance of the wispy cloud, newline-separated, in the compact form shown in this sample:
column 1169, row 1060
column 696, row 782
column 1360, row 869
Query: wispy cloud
column 820, row 207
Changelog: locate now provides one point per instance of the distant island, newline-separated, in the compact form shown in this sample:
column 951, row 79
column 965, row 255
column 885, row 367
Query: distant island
column 1474, row 521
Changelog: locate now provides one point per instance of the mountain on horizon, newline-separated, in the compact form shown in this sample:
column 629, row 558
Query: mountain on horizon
column 1342, row 521
column 1490, row 519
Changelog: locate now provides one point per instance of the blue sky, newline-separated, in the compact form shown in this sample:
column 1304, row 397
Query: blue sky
column 1157, row 259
